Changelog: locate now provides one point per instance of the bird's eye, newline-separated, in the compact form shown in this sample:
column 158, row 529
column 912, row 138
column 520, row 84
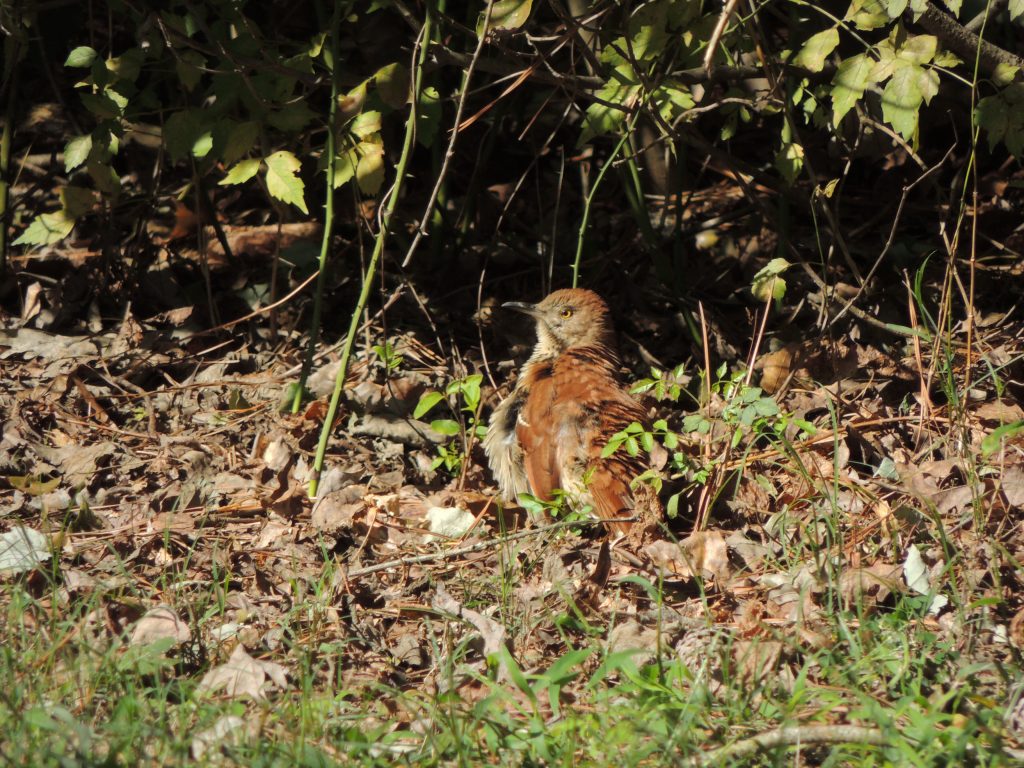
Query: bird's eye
column 566, row 313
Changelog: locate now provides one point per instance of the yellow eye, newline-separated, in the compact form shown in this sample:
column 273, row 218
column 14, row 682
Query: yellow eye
column 566, row 313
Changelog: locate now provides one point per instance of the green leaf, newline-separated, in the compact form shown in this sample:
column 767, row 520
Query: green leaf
column 76, row 151
column 812, row 56
column 76, row 201
column 848, row 85
column 505, row 14
column 241, row 139
column 345, row 163
column 994, row 440
column 393, row 84
column 366, row 124
column 616, row 97
column 867, row 14
column 47, row 228
column 902, row 99
column 81, row 57
column 181, row 131
column 1002, row 117
column 242, row 172
column 919, row 49
column 127, row 65
column 789, row 161
column 427, row 401
column 1016, row 8
column 370, row 169
column 445, row 426
column 102, row 105
column 203, row 144
column 292, row 118
column 767, row 284
column 189, row 65
column 283, row 181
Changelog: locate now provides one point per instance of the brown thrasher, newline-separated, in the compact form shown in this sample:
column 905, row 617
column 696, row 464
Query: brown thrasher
column 568, row 402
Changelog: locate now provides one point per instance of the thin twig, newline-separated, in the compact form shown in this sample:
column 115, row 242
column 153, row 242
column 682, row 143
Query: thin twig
column 478, row 546
column 791, row 736
column 450, row 150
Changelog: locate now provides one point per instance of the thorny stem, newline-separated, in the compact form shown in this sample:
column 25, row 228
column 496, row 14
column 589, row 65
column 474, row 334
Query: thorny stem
column 325, row 242
column 390, row 200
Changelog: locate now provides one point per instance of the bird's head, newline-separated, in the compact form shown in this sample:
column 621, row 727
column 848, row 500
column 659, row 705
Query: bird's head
column 571, row 317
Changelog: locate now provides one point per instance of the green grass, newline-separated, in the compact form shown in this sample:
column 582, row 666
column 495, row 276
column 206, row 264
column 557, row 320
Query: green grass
column 72, row 692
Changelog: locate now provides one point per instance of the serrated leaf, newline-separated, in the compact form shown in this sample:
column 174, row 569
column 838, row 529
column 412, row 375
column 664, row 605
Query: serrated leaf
column 366, row 124
column 47, row 228
column 848, row 85
column 370, row 169
column 81, row 57
column 1004, row 73
column 812, row 56
column 241, row 172
column 283, row 181
column 76, row 151
column 647, row 30
column 902, row 99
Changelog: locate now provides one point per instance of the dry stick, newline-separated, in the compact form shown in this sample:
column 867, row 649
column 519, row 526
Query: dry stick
column 716, row 36
column 790, row 736
column 480, row 545
column 450, row 150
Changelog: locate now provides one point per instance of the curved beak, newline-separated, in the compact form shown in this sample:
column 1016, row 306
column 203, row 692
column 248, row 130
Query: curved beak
column 519, row 306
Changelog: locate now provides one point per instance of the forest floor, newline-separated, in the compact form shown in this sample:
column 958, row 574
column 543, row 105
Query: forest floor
column 842, row 575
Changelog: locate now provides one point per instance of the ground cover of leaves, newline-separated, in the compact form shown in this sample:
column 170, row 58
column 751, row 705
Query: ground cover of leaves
column 171, row 593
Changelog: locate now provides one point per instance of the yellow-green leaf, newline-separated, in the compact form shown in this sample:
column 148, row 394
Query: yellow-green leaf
column 76, row 151
column 283, row 181
column 242, row 172
column 370, row 170
column 817, row 48
column 47, row 228
column 506, row 15
column 767, row 283
column 848, row 85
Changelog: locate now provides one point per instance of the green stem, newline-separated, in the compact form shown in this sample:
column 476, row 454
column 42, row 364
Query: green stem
column 325, row 241
column 388, row 209
column 590, row 197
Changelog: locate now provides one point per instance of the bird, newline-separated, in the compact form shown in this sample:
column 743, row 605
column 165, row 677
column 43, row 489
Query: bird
column 568, row 401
